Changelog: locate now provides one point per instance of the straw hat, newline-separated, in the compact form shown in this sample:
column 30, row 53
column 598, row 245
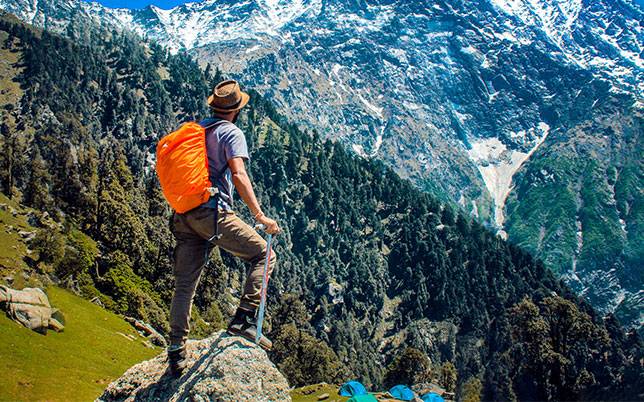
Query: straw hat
column 227, row 97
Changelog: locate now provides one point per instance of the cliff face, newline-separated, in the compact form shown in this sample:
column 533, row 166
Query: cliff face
column 220, row 368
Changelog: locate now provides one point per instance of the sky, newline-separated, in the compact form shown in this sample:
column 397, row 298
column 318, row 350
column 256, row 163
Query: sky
column 172, row 3
column 142, row 3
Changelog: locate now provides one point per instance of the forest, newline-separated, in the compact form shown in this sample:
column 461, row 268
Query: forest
column 368, row 264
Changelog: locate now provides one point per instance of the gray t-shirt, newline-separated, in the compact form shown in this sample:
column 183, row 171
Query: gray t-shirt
column 224, row 141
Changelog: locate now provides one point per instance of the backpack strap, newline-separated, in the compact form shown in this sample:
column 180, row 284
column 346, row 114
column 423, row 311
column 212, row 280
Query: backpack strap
column 214, row 191
column 213, row 126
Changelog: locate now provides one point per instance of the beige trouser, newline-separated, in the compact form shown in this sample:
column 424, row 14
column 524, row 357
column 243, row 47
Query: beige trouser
column 192, row 231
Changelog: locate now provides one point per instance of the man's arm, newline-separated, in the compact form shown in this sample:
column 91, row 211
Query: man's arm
column 245, row 189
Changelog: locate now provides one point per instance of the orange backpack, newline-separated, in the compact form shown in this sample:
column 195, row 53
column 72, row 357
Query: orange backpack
column 182, row 167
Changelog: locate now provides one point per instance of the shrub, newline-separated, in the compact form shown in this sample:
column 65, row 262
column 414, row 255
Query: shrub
column 133, row 295
column 80, row 255
column 472, row 390
column 50, row 246
column 411, row 367
column 304, row 359
column 448, row 376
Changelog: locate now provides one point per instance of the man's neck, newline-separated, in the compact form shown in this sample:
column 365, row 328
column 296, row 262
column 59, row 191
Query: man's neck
column 228, row 117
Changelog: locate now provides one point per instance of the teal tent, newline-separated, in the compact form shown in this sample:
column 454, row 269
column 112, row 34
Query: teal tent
column 432, row 397
column 352, row 388
column 402, row 392
column 363, row 398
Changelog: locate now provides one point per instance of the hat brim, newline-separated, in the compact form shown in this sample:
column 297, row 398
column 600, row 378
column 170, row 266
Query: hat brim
column 244, row 100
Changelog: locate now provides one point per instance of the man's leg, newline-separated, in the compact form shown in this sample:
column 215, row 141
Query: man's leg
column 190, row 256
column 241, row 240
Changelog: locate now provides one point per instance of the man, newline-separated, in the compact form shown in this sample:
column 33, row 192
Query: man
column 227, row 152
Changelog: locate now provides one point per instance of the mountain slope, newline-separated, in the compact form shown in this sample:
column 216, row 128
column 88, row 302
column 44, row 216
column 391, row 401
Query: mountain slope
column 457, row 96
column 374, row 263
column 594, row 172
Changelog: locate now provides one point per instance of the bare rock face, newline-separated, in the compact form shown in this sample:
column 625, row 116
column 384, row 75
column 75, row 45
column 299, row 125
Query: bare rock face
column 220, row 368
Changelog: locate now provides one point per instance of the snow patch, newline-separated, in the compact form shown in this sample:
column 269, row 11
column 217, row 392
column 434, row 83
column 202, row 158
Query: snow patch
column 622, row 223
column 555, row 18
column 252, row 49
column 462, row 118
column 378, row 143
column 400, row 55
column 475, row 209
column 373, row 108
column 359, row 149
column 498, row 164
column 579, row 236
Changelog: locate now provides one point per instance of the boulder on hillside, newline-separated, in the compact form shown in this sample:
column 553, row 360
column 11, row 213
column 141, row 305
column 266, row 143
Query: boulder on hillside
column 30, row 307
column 220, row 368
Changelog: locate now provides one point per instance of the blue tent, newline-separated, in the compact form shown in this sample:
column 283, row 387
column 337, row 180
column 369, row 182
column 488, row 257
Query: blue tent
column 402, row 392
column 352, row 388
column 363, row 398
column 432, row 397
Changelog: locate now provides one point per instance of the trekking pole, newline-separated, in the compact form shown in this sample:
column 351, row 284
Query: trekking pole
column 262, row 303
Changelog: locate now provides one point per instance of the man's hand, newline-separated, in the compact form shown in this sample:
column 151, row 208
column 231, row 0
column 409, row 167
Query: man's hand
column 271, row 226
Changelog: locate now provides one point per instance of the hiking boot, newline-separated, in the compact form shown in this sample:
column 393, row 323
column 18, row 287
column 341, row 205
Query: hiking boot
column 177, row 360
column 244, row 325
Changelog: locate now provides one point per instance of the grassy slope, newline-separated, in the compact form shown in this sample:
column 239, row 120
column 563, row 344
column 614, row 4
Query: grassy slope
column 10, row 92
column 310, row 393
column 74, row 365
column 579, row 180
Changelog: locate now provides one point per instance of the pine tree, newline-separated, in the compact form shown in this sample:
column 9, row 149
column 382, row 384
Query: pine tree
column 37, row 193
column 448, row 376
column 304, row 359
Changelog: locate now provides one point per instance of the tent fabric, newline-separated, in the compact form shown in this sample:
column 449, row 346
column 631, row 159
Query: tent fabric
column 432, row 397
column 352, row 388
column 363, row 398
column 402, row 392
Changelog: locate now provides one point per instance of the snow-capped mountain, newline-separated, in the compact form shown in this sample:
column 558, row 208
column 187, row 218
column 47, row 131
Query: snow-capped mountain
column 528, row 113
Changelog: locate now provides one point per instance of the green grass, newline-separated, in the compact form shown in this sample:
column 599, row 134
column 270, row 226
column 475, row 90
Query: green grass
column 268, row 124
column 310, row 393
column 10, row 92
column 74, row 365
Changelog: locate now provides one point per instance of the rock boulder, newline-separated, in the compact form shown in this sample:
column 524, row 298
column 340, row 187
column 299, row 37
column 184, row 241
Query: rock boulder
column 220, row 368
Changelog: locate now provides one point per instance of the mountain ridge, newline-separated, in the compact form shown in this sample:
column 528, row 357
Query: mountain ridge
column 461, row 100
column 358, row 240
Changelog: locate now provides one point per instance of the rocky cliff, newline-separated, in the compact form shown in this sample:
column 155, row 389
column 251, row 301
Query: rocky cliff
column 220, row 368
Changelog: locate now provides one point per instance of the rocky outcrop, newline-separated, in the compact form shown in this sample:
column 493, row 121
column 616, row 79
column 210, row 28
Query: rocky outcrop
column 220, row 368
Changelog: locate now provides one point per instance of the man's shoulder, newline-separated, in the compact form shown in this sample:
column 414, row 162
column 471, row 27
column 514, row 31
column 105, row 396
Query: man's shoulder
column 229, row 129
column 228, row 125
